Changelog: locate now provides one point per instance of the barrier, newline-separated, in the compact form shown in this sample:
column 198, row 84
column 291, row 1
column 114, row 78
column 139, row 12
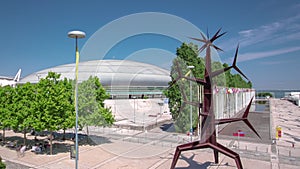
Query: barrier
column 229, row 101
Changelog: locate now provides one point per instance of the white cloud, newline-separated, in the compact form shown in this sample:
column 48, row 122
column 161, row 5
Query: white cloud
column 246, row 33
column 258, row 55
column 272, row 62
column 283, row 29
column 261, row 34
column 280, row 33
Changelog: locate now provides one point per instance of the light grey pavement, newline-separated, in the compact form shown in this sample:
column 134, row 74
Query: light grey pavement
column 287, row 148
column 119, row 148
column 131, row 155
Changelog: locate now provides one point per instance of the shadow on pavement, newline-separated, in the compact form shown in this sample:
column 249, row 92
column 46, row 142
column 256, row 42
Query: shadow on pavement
column 194, row 164
column 169, row 127
column 60, row 143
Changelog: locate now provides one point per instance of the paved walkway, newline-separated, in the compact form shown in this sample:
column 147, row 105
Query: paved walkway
column 117, row 148
column 130, row 156
column 287, row 149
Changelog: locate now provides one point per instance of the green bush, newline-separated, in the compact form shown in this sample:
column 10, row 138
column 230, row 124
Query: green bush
column 264, row 94
column 2, row 165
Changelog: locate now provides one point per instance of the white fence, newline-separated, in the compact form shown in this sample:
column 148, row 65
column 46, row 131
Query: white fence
column 229, row 101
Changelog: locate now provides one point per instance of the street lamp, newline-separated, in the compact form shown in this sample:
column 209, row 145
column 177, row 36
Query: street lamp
column 77, row 35
column 191, row 112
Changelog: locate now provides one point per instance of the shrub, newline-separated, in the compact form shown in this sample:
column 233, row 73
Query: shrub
column 2, row 165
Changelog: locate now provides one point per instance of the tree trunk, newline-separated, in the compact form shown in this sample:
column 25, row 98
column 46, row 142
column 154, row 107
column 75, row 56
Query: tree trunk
column 24, row 132
column 87, row 134
column 51, row 142
column 3, row 135
column 64, row 135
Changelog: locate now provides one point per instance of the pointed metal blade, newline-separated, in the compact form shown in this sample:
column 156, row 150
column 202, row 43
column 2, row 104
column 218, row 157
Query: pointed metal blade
column 245, row 115
column 202, row 48
column 221, row 35
column 235, row 55
column 220, row 71
column 197, row 39
column 217, row 48
column 203, row 37
column 215, row 35
column 246, row 121
column 228, row 120
column 207, row 34
column 234, row 63
column 238, row 70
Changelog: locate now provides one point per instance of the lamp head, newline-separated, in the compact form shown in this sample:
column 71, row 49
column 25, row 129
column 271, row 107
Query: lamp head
column 190, row 67
column 76, row 34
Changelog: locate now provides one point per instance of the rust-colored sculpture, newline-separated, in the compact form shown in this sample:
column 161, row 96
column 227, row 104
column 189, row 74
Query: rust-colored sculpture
column 208, row 135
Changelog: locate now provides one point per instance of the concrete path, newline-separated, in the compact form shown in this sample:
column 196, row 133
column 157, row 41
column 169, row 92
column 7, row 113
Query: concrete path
column 118, row 148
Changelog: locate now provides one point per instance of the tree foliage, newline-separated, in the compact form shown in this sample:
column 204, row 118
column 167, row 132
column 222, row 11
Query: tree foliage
column 55, row 108
column 235, row 80
column 264, row 94
column 91, row 110
column 49, row 105
column 187, row 55
column 23, row 109
column 5, row 108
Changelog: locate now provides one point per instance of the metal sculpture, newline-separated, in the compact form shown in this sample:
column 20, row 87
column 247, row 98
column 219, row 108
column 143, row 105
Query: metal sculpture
column 208, row 134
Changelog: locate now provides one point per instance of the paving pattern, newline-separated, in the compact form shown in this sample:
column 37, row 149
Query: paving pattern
column 153, row 149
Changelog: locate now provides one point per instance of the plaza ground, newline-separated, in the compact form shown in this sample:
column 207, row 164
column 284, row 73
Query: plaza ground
column 120, row 148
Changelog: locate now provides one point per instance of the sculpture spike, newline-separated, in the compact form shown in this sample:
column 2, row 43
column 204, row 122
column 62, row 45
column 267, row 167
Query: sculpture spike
column 217, row 48
column 234, row 66
column 207, row 34
column 203, row 37
column 246, row 121
column 216, row 35
column 202, row 48
column 235, row 55
column 245, row 115
column 197, row 39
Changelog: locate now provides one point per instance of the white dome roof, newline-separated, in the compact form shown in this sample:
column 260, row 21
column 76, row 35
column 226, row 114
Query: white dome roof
column 110, row 72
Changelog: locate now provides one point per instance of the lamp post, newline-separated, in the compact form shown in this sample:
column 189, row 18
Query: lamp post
column 191, row 112
column 77, row 35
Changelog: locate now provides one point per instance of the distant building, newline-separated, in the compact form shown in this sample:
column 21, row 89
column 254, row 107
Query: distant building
column 120, row 78
column 9, row 81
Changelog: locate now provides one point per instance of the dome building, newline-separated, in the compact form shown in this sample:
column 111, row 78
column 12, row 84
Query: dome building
column 120, row 78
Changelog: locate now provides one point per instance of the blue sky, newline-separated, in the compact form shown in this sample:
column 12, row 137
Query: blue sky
column 34, row 34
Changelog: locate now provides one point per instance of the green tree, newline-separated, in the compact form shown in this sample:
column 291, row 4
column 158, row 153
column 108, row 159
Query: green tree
column 228, row 77
column 54, row 108
column 68, row 103
column 23, row 108
column 219, row 80
column 5, row 108
column 186, row 56
column 91, row 110
column 264, row 94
